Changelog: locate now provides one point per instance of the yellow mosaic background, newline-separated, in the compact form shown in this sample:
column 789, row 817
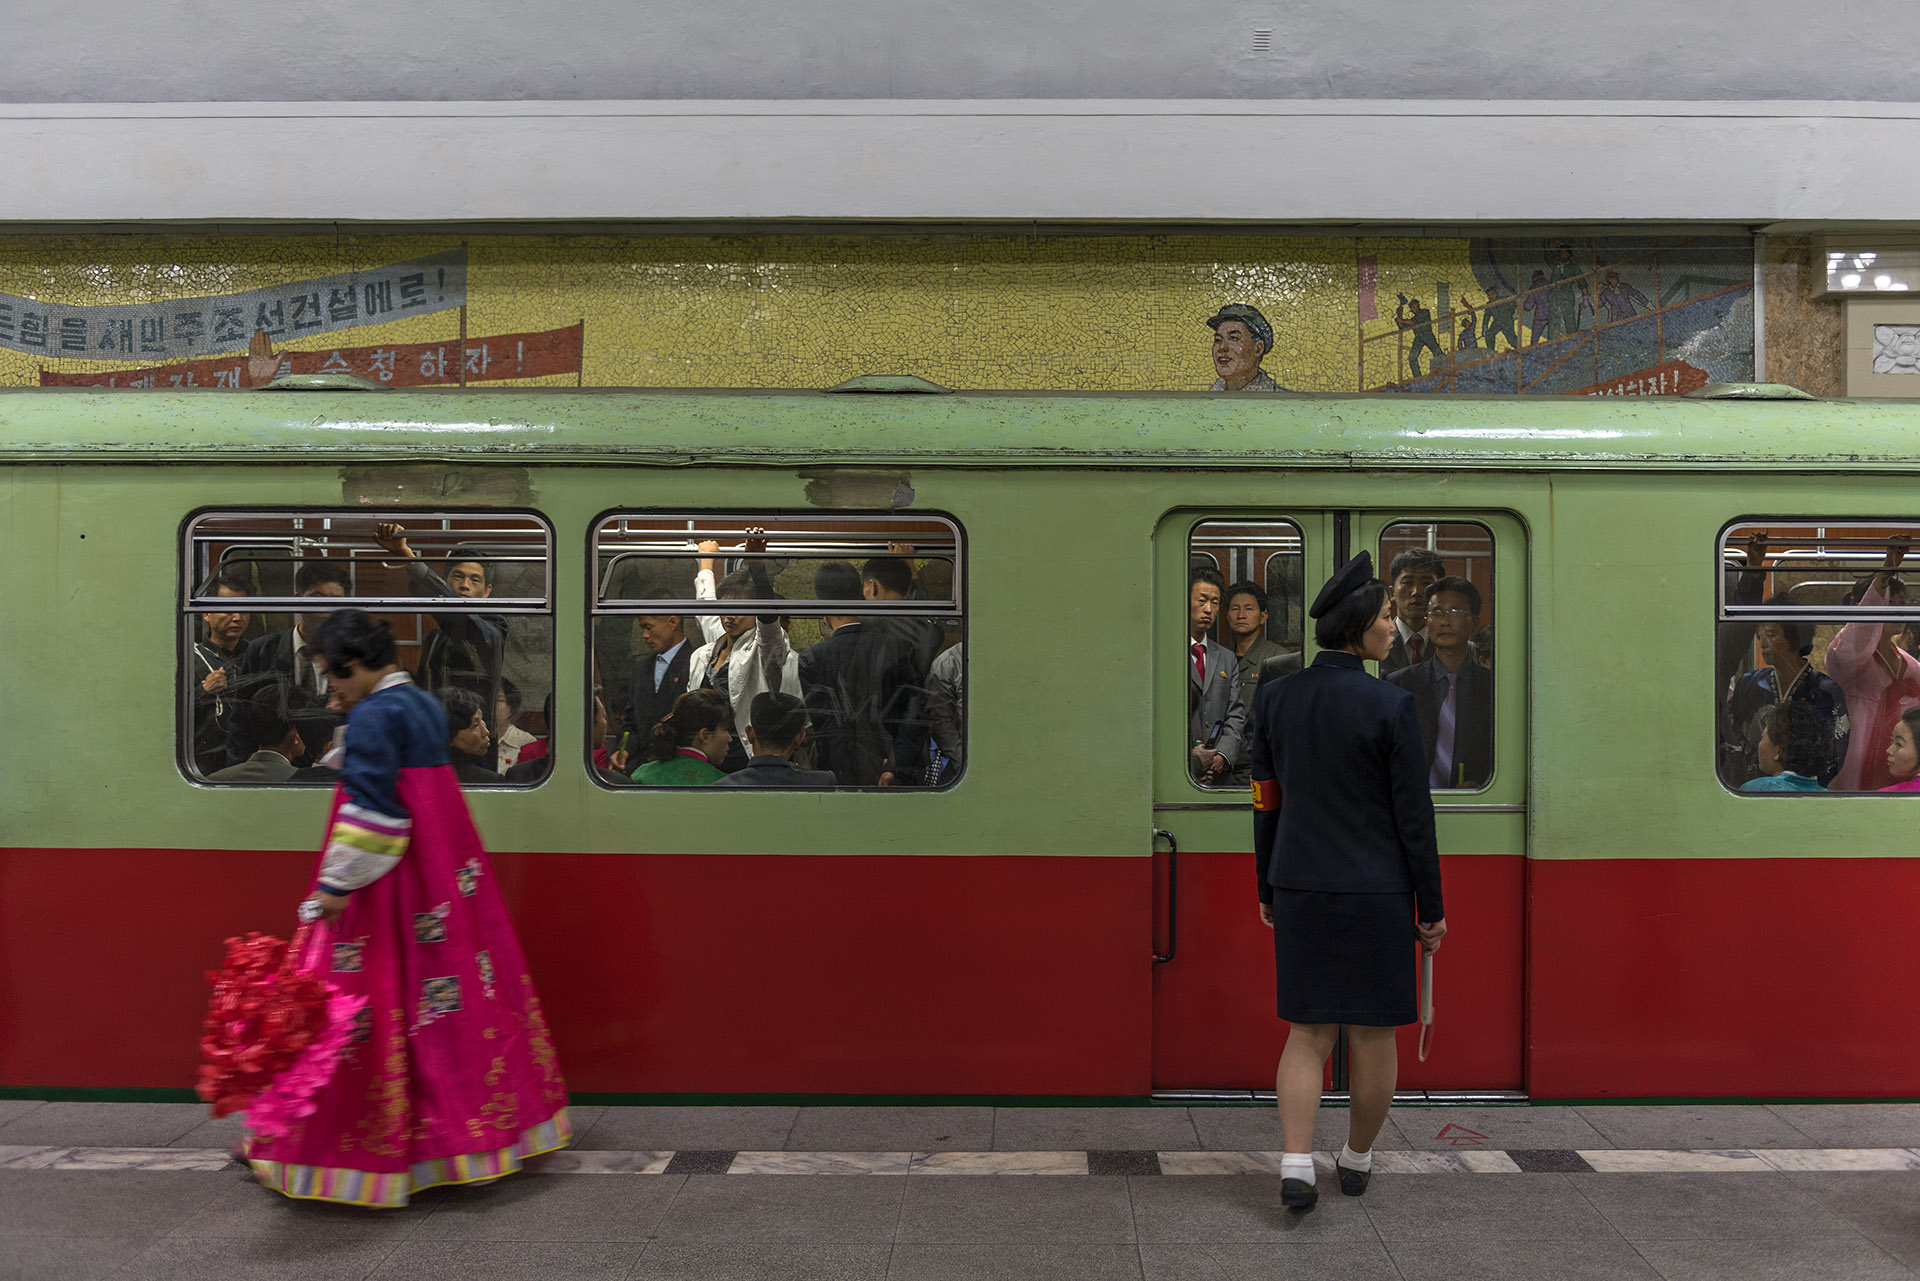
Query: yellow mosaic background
column 978, row 312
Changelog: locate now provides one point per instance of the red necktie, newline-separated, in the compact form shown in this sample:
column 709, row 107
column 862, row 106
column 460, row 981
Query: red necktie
column 1200, row 661
column 1413, row 648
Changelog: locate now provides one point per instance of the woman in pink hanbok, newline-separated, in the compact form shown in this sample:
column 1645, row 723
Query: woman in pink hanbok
column 1881, row 680
column 450, row 1076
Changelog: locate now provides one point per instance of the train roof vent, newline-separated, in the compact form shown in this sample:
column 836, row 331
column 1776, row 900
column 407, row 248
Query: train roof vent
column 1750, row 391
column 323, row 382
column 893, row 384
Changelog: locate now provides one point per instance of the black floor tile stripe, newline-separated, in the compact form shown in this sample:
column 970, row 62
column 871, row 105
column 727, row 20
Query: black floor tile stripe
column 1548, row 1161
column 709, row 1161
column 1123, row 1161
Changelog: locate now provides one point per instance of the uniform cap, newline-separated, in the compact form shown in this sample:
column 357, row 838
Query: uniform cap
column 1347, row 580
column 1247, row 315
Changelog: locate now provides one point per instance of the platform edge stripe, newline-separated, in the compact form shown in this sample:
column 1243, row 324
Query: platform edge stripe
column 1681, row 1161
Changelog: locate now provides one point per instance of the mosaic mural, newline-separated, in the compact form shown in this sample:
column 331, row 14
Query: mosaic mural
column 1619, row 316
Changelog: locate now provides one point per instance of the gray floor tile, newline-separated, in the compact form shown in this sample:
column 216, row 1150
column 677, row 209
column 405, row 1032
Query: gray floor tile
column 558, row 1208
column 104, row 1203
column 197, row 1258
column 510, row 1261
column 1590, row 1260
column 1204, row 1209
column 669, row 1129
column 1723, row 1207
column 1015, row 1261
column 1837, row 1125
column 672, row 1261
column 1848, row 1259
column 67, row 1258
column 1451, row 1129
column 104, row 1125
column 213, row 1132
column 245, row 1209
column 1032, row 1208
column 1690, row 1125
column 1257, row 1129
column 909, row 1129
column 1883, row 1206
column 14, row 1109
column 1414, row 1209
column 1315, row 1260
column 1078, row 1129
column 792, row 1208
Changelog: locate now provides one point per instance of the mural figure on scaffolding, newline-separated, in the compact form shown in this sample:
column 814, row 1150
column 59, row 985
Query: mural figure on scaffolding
column 1497, row 320
column 1241, row 338
column 1622, row 301
column 1411, row 315
column 1563, row 300
column 1537, row 292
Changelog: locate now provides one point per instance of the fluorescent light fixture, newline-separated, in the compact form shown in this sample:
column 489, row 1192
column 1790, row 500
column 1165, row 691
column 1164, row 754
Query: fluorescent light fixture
column 1868, row 262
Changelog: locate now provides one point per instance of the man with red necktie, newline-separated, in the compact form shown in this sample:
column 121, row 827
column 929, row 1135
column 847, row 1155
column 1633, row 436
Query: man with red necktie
column 1412, row 574
column 1216, row 716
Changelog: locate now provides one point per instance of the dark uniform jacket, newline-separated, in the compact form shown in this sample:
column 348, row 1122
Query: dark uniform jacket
column 868, row 710
column 464, row 650
column 774, row 771
column 265, row 660
column 1472, row 717
column 646, row 704
column 1353, row 816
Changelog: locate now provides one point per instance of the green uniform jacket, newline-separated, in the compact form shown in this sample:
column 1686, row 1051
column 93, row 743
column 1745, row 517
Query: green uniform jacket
column 683, row 770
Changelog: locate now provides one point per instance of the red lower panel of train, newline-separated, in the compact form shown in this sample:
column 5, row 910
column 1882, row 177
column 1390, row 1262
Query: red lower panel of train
column 1012, row 975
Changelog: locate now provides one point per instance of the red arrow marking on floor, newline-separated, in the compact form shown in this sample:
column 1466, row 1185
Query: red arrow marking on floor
column 1460, row 1135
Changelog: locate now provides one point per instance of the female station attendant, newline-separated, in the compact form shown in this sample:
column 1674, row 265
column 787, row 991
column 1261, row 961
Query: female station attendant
column 450, row 1076
column 1348, row 869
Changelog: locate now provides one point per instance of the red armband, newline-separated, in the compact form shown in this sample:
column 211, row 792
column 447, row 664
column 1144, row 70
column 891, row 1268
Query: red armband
column 1266, row 793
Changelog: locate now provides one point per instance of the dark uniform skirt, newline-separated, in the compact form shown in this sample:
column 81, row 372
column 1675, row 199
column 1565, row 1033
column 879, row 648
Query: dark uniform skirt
column 1345, row 958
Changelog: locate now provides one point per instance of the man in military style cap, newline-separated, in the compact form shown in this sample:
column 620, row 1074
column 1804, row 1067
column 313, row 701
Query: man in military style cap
column 1241, row 337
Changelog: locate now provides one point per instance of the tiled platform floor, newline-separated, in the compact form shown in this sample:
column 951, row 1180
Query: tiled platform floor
column 1667, row 1192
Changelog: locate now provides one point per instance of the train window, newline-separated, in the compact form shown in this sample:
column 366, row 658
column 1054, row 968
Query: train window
column 855, row 623
column 1245, row 625
column 1441, row 577
column 256, row 584
column 1816, row 676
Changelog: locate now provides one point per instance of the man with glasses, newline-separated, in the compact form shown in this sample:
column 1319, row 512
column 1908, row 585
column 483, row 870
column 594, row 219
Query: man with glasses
column 1452, row 692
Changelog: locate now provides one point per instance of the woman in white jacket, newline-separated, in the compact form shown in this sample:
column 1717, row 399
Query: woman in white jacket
column 743, row 656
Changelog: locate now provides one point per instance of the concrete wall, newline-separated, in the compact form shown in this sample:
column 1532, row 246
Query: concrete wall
column 488, row 50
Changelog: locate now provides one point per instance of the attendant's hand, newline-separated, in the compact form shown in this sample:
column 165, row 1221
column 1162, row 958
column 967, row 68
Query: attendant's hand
column 1266, row 915
column 216, row 680
column 1431, row 933
column 392, row 539
column 331, row 905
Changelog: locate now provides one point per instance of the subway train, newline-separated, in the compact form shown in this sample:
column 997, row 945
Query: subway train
column 1065, row 907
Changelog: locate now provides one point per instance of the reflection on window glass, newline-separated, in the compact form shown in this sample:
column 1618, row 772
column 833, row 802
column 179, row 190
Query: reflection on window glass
column 1441, row 579
column 254, row 703
column 1245, row 614
column 1814, row 658
column 762, row 650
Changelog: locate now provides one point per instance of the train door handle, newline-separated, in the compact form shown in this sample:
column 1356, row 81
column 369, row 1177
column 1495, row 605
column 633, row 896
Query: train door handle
column 1173, row 894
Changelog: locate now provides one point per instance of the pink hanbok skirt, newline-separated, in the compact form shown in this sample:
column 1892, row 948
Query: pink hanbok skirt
column 451, row 1076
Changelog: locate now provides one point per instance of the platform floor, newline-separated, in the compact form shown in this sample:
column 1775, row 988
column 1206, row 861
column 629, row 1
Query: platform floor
column 1686, row 1193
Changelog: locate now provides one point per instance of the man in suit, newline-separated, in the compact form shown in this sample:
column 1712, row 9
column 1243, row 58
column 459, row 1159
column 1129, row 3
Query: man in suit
column 286, row 657
column 776, row 729
column 1453, row 693
column 657, row 681
column 1411, row 575
column 1216, row 716
column 216, row 661
column 268, row 723
column 863, row 693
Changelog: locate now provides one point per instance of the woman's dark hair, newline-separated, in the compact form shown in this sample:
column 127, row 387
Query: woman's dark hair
column 1803, row 736
column 693, row 712
column 1896, row 588
column 1342, row 626
column 1911, row 719
column 1798, row 631
column 777, row 719
column 739, row 585
column 350, row 634
column 461, row 705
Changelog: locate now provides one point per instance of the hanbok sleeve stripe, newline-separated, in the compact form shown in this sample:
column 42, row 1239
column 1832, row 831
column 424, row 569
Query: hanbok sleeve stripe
column 374, row 821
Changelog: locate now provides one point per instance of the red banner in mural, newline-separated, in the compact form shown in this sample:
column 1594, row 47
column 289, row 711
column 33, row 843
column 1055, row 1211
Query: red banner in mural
column 1675, row 378
column 421, row 364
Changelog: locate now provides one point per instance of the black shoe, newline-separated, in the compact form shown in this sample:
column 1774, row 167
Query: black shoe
column 1352, row 1182
column 1298, row 1193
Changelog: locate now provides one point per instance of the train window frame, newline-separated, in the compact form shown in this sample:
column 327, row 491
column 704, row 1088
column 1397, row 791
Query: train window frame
column 1453, row 795
column 190, row 604
column 1230, row 786
column 732, row 524
column 1729, row 561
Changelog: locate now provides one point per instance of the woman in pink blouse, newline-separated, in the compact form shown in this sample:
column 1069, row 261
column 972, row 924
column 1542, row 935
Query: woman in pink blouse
column 1880, row 679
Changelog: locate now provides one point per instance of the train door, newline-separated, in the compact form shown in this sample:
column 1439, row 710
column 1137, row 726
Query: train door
column 1214, row 1026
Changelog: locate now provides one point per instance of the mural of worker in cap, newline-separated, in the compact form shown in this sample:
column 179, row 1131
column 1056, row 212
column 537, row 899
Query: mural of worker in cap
column 1241, row 337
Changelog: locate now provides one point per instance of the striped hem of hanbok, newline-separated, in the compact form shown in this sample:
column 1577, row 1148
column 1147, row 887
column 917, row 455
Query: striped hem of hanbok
column 387, row 1191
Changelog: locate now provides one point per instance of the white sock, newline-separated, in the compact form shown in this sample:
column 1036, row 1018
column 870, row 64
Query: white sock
column 1297, row 1165
column 1360, row 1161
